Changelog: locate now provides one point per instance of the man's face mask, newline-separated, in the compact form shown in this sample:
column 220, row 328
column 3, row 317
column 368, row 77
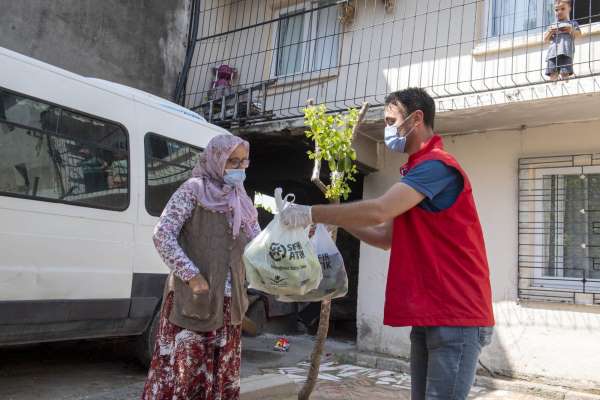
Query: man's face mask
column 394, row 138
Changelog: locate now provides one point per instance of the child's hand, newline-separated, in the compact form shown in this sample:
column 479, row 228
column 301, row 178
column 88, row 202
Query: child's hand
column 567, row 29
column 550, row 33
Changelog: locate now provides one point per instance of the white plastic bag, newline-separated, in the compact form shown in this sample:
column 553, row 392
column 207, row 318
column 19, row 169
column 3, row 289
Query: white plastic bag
column 335, row 280
column 281, row 260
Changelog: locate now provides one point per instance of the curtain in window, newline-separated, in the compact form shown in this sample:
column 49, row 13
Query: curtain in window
column 582, row 230
column 593, row 225
column 289, row 45
column 551, row 226
column 516, row 16
column 575, row 227
column 572, row 226
column 325, row 51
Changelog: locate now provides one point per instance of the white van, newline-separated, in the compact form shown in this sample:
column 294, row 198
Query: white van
column 86, row 167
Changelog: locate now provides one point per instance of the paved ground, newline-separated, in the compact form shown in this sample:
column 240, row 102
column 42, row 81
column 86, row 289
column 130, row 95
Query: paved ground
column 349, row 382
column 259, row 356
column 105, row 370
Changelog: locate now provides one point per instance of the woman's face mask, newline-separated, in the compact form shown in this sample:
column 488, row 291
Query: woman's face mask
column 235, row 167
column 393, row 137
column 235, row 177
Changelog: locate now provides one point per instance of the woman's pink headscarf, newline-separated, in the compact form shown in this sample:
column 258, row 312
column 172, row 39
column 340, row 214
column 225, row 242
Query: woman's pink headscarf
column 214, row 194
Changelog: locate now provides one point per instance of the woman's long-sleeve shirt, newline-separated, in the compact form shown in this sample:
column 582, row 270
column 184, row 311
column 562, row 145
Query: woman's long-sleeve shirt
column 177, row 211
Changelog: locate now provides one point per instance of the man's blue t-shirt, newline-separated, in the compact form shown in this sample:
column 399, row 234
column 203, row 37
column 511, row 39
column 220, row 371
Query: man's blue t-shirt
column 439, row 183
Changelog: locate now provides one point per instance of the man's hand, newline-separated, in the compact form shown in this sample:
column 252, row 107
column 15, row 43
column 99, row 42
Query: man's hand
column 198, row 284
column 296, row 215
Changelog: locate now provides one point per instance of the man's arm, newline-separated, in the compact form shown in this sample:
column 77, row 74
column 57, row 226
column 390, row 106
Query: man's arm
column 378, row 236
column 397, row 200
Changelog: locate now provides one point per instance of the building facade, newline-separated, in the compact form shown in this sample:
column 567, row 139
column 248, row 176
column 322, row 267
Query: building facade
column 531, row 147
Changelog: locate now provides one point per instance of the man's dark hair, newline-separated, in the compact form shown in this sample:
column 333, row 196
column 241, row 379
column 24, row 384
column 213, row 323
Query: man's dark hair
column 411, row 100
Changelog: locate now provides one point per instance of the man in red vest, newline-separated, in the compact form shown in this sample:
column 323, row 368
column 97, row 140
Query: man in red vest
column 438, row 278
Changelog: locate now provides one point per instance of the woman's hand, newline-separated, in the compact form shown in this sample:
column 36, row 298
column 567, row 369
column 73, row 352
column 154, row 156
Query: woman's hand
column 198, row 284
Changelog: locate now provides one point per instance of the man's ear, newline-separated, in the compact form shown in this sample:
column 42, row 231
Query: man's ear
column 418, row 118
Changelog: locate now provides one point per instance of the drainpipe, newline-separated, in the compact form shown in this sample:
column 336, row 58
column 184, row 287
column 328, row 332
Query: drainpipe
column 178, row 95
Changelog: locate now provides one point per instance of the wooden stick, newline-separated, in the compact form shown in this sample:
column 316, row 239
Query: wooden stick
column 316, row 173
column 315, row 357
column 361, row 116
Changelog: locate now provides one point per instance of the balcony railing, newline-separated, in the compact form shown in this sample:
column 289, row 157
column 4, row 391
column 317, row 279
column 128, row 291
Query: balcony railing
column 262, row 59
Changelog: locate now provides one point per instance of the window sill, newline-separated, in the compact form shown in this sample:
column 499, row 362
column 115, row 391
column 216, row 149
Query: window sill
column 554, row 305
column 306, row 77
column 523, row 41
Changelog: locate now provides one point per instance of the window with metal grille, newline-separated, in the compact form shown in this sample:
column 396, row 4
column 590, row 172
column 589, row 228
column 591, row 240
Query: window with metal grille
column 169, row 163
column 50, row 153
column 559, row 228
column 307, row 39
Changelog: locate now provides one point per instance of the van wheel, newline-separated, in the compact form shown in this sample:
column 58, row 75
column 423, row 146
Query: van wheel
column 144, row 344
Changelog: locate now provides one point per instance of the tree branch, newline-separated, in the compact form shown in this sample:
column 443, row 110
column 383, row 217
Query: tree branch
column 316, row 173
column 361, row 116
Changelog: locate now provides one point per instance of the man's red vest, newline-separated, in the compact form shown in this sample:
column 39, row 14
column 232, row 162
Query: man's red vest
column 438, row 273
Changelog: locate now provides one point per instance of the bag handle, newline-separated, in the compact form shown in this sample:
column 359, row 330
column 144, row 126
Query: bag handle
column 283, row 202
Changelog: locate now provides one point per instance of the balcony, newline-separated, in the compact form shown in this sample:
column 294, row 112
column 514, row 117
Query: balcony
column 467, row 54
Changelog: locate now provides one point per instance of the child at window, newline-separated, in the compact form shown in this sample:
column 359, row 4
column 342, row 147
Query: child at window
column 561, row 37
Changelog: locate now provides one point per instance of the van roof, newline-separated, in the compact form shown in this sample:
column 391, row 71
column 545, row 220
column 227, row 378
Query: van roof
column 116, row 88
column 144, row 97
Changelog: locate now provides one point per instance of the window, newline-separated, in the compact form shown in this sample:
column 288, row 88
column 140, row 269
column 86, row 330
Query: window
column 573, row 239
column 169, row 163
column 518, row 16
column 50, row 153
column 586, row 11
column 559, row 227
column 307, row 40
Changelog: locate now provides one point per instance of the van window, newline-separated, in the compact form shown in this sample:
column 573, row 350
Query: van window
column 169, row 163
column 53, row 154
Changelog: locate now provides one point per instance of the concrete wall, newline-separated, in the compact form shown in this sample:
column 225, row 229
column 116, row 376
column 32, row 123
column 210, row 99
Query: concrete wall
column 139, row 43
column 555, row 342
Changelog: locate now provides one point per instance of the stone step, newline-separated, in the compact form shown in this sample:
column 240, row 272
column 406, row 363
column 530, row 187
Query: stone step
column 269, row 386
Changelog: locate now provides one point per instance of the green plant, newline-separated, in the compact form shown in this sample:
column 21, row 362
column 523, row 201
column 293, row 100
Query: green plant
column 332, row 135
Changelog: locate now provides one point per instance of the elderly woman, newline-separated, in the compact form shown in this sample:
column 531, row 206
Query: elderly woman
column 201, row 235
